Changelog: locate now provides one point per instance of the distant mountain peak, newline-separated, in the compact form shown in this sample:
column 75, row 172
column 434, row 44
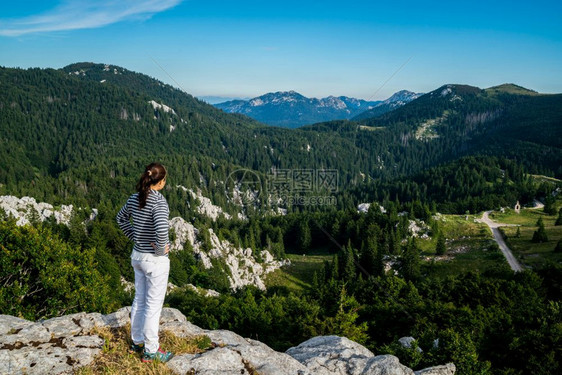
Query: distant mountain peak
column 402, row 96
column 456, row 89
column 397, row 100
column 292, row 109
column 510, row 88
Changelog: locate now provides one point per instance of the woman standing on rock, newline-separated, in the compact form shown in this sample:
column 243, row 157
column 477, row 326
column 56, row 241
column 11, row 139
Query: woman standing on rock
column 149, row 210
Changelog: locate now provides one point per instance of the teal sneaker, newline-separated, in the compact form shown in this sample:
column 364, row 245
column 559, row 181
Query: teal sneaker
column 134, row 348
column 160, row 356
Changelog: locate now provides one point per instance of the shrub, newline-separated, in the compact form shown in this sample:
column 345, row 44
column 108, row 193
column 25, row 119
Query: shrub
column 42, row 276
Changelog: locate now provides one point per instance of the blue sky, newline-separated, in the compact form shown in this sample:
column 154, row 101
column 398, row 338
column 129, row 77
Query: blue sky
column 364, row 49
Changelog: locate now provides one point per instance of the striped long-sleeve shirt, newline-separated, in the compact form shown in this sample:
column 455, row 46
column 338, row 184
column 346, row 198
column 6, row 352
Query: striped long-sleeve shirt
column 150, row 224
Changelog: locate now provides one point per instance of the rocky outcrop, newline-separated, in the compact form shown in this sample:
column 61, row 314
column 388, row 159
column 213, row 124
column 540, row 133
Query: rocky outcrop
column 237, row 355
column 364, row 208
column 327, row 355
column 54, row 346
column 26, row 209
column 206, row 206
column 64, row 344
column 244, row 269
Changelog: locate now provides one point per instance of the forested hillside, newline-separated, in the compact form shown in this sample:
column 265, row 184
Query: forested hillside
column 97, row 124
column 457, row 120
column 99, row 134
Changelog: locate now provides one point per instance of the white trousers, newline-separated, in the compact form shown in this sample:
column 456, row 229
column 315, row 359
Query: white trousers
column 151, row 280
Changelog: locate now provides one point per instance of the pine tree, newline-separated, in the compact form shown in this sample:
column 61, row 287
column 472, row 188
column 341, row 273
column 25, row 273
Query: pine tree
column 346, row 261
column 539, row 222
column 334, row 272
column 549, row 205
column 392, row 241
column 370, row 259
column 315, row 283
column 441, row 247
column 559, row 219
column 410, row 261
column 540, row 234
column 303, row 235
column 558, row 248
column 344, row 323
column 518, row 233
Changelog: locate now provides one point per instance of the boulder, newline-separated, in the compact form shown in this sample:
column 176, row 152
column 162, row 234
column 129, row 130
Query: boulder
column 325, row 355
column 448, row 369
column 407, row 342
column 334, row 355
column 218, row 361
column 237, row 355
column 385, row 365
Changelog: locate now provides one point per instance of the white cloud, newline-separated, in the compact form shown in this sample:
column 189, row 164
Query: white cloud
column 84, row 14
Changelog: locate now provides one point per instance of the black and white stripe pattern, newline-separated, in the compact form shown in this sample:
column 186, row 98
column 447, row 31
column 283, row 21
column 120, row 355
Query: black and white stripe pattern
column 150, row 224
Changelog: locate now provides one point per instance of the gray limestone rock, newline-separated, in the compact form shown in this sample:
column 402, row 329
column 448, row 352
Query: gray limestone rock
column 407, row 343
column 217, row 361
column 386, row 365
column 269, row 362
column 45, row 359
column 256, row 355
column 34, row 333
column 226, row 338
column 327, row 355
column 118, row 319
column 10, row 323
column 64, row 344
column 171, row 315
column 448, row 369
column 64, row 326
column 91, row 320
column 332, row 355
column 181, row 364
column 182, row 329
column 79, row 342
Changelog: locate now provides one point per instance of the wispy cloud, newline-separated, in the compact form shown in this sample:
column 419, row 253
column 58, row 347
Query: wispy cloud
column 84, row 14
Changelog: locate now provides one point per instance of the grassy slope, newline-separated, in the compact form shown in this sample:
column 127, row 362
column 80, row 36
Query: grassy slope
column 469, row 244
column 298, row 276
column 469, row 248
column 529, row 253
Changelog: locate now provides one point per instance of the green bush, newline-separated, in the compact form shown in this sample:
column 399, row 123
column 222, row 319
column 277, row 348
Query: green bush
column 43, row 277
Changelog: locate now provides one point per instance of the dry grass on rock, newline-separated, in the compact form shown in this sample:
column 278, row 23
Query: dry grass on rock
column 116, row 360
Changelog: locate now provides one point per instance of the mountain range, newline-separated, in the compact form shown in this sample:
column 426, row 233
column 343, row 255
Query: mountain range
column 291, row 109
column 97, row 124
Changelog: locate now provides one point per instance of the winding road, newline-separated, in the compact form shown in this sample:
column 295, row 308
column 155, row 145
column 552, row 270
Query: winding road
column 513, row 263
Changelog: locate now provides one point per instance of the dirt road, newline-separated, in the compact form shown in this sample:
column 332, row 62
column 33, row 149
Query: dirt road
column 513, row 263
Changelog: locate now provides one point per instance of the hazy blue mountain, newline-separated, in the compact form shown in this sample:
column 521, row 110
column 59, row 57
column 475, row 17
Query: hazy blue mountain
column 213, row 99
column 291, row 109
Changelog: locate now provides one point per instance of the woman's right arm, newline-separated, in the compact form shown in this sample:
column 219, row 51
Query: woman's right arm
column 123, row 220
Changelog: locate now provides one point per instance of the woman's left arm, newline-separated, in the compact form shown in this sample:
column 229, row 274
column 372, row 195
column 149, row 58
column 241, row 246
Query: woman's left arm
column 160, row 214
